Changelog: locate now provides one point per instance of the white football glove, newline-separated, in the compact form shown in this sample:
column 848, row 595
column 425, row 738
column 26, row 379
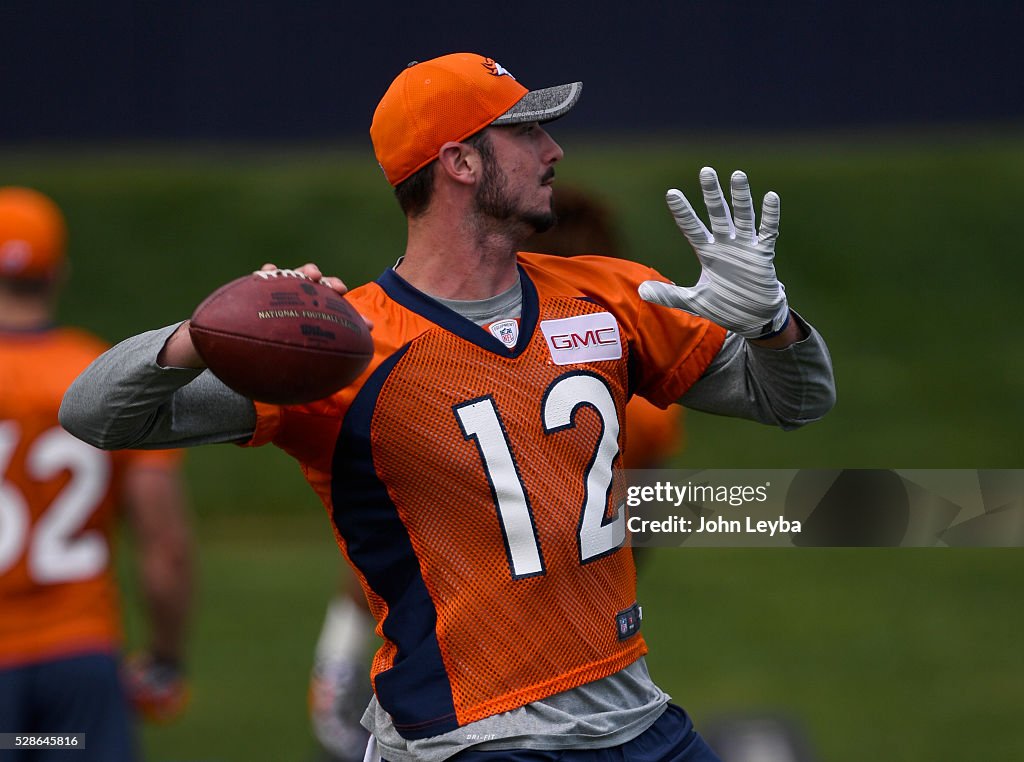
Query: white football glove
column 737, row 288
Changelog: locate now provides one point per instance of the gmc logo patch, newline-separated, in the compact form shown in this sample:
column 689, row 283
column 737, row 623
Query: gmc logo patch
column 584, row 338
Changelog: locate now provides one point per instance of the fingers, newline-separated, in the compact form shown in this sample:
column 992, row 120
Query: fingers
column 657, row 292
column 336, row 283
column 740, row 222
column 742, row 206
column 770, row 212
column 666, row 294
column 312, row 271
column 687, row 221
column 714, row 199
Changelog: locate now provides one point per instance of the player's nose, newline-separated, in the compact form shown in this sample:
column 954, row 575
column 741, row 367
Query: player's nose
column 552, row 152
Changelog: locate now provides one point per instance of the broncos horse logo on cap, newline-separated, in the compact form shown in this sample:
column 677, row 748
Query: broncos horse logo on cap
column 496, row 69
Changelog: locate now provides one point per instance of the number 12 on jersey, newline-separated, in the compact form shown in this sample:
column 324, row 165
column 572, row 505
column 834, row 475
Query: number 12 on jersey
column 481, row 422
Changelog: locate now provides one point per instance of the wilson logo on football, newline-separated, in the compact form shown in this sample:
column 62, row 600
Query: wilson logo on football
column 585, row 338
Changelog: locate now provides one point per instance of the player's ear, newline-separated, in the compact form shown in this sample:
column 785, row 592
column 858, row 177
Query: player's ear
column 460, row 162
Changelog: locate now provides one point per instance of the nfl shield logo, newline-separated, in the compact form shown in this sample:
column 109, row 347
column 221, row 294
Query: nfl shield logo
column 506, row 331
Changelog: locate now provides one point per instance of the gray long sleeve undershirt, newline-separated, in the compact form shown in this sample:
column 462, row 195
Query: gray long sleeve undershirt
column 124, row 399
column 783, row 387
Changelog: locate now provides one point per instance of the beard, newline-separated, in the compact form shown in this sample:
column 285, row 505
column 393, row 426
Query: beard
column 493, row 200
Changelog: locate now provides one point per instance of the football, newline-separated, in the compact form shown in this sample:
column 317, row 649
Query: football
column 276, row 336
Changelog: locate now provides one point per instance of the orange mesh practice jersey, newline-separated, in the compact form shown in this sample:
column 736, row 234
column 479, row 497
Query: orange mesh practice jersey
column 472, row 485
column 57, row 512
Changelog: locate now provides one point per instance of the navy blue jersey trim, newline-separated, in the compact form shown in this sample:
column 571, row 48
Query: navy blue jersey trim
column 412, row 299
column 416, row 691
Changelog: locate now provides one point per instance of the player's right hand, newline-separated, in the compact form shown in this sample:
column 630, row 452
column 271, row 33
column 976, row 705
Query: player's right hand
column 313, row 272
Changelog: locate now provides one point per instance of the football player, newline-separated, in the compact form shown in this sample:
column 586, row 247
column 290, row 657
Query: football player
column 338, row 689
column 60, row 500
column 469, row 473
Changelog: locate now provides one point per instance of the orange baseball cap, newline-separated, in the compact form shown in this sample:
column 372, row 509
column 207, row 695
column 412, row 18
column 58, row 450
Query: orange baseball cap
column 449, row 99
column 32, row 235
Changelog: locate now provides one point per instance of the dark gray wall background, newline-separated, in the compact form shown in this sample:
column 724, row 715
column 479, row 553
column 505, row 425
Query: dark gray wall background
column 314, row 70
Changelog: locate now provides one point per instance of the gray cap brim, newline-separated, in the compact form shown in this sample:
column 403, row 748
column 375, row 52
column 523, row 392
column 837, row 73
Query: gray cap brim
column 542, row 105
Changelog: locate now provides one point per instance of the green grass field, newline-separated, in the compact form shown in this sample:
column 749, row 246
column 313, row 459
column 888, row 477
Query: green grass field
column 903, row 250
column 901, row 655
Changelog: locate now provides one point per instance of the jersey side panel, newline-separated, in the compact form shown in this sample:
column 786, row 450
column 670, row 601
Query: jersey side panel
column 330, row 439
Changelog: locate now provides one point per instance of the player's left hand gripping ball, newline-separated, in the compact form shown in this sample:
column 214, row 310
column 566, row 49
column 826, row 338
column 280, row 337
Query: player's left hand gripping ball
column 738, row 288
column 157, row 690
column 277, row 336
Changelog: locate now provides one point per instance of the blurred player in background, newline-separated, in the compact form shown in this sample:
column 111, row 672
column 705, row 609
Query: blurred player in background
column 60, row 631
column 339, row 690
